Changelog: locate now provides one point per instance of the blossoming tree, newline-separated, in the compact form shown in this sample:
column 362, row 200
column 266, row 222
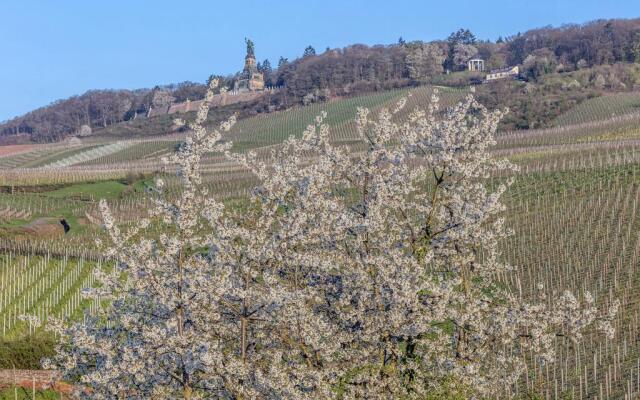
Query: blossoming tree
column 350, row 273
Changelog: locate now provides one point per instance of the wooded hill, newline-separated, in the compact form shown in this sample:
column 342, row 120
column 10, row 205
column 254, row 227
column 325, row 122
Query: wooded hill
column 560, row 67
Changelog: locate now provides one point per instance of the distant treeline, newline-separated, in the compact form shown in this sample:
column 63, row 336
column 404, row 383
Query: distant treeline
column 354, row 70
column 95, row 109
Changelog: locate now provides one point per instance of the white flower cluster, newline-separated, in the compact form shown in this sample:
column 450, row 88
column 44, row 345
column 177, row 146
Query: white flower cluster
column 351, row 275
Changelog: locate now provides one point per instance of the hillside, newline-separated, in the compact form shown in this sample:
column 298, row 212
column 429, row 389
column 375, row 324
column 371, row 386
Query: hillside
column 453, row 214
column 573, row 209
column 601, row 108
column 339, row 73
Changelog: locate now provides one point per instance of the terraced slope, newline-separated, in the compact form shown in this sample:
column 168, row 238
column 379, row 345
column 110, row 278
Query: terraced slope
column 56, row 155
column 136, row 152
column 250, row 133
column 32, row 157
column 272, row 129
column 600, row 108
column 90, row 154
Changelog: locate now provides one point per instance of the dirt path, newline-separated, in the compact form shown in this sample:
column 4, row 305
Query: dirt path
column 33, row 379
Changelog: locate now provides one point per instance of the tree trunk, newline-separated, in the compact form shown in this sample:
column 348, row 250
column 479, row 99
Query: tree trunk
column 186, row 392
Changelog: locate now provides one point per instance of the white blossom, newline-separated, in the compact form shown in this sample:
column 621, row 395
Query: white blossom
column 353, row 275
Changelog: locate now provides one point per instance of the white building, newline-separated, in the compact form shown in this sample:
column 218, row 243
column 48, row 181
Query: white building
column 475, row 64
column 501, row 73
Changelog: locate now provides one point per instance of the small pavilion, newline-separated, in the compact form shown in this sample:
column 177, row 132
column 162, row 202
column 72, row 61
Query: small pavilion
column 475, row 64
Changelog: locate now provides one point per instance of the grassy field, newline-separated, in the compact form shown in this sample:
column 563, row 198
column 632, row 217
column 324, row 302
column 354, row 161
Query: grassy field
column 573, row 208
column 18, row 393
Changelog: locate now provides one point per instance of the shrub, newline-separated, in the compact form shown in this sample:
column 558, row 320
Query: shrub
column 25, row 352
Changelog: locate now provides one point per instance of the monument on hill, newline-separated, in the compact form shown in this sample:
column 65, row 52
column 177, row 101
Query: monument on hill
column 250, row 80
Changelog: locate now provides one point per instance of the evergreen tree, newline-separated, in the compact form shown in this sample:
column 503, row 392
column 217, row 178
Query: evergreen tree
column 455, row 39
column 309, row 51
column 282, row 62
column 266, row 66
column 267, row 71
column 635, row 48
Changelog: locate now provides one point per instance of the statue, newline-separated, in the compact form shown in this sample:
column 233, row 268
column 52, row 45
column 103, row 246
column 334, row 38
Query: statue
column 250, row 79
column 250, row 48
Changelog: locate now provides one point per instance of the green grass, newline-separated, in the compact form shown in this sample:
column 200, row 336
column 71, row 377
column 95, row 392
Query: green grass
column 70, row 202
column 12, row 393
column 94, row 190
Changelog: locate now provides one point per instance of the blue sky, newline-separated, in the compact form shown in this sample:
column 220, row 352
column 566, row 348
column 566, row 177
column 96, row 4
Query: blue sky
column 54, row 49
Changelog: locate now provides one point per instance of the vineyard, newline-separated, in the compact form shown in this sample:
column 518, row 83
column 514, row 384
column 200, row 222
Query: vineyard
column 573, row 207
column 601, row 108
column 579, row 229
column 41, row 286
